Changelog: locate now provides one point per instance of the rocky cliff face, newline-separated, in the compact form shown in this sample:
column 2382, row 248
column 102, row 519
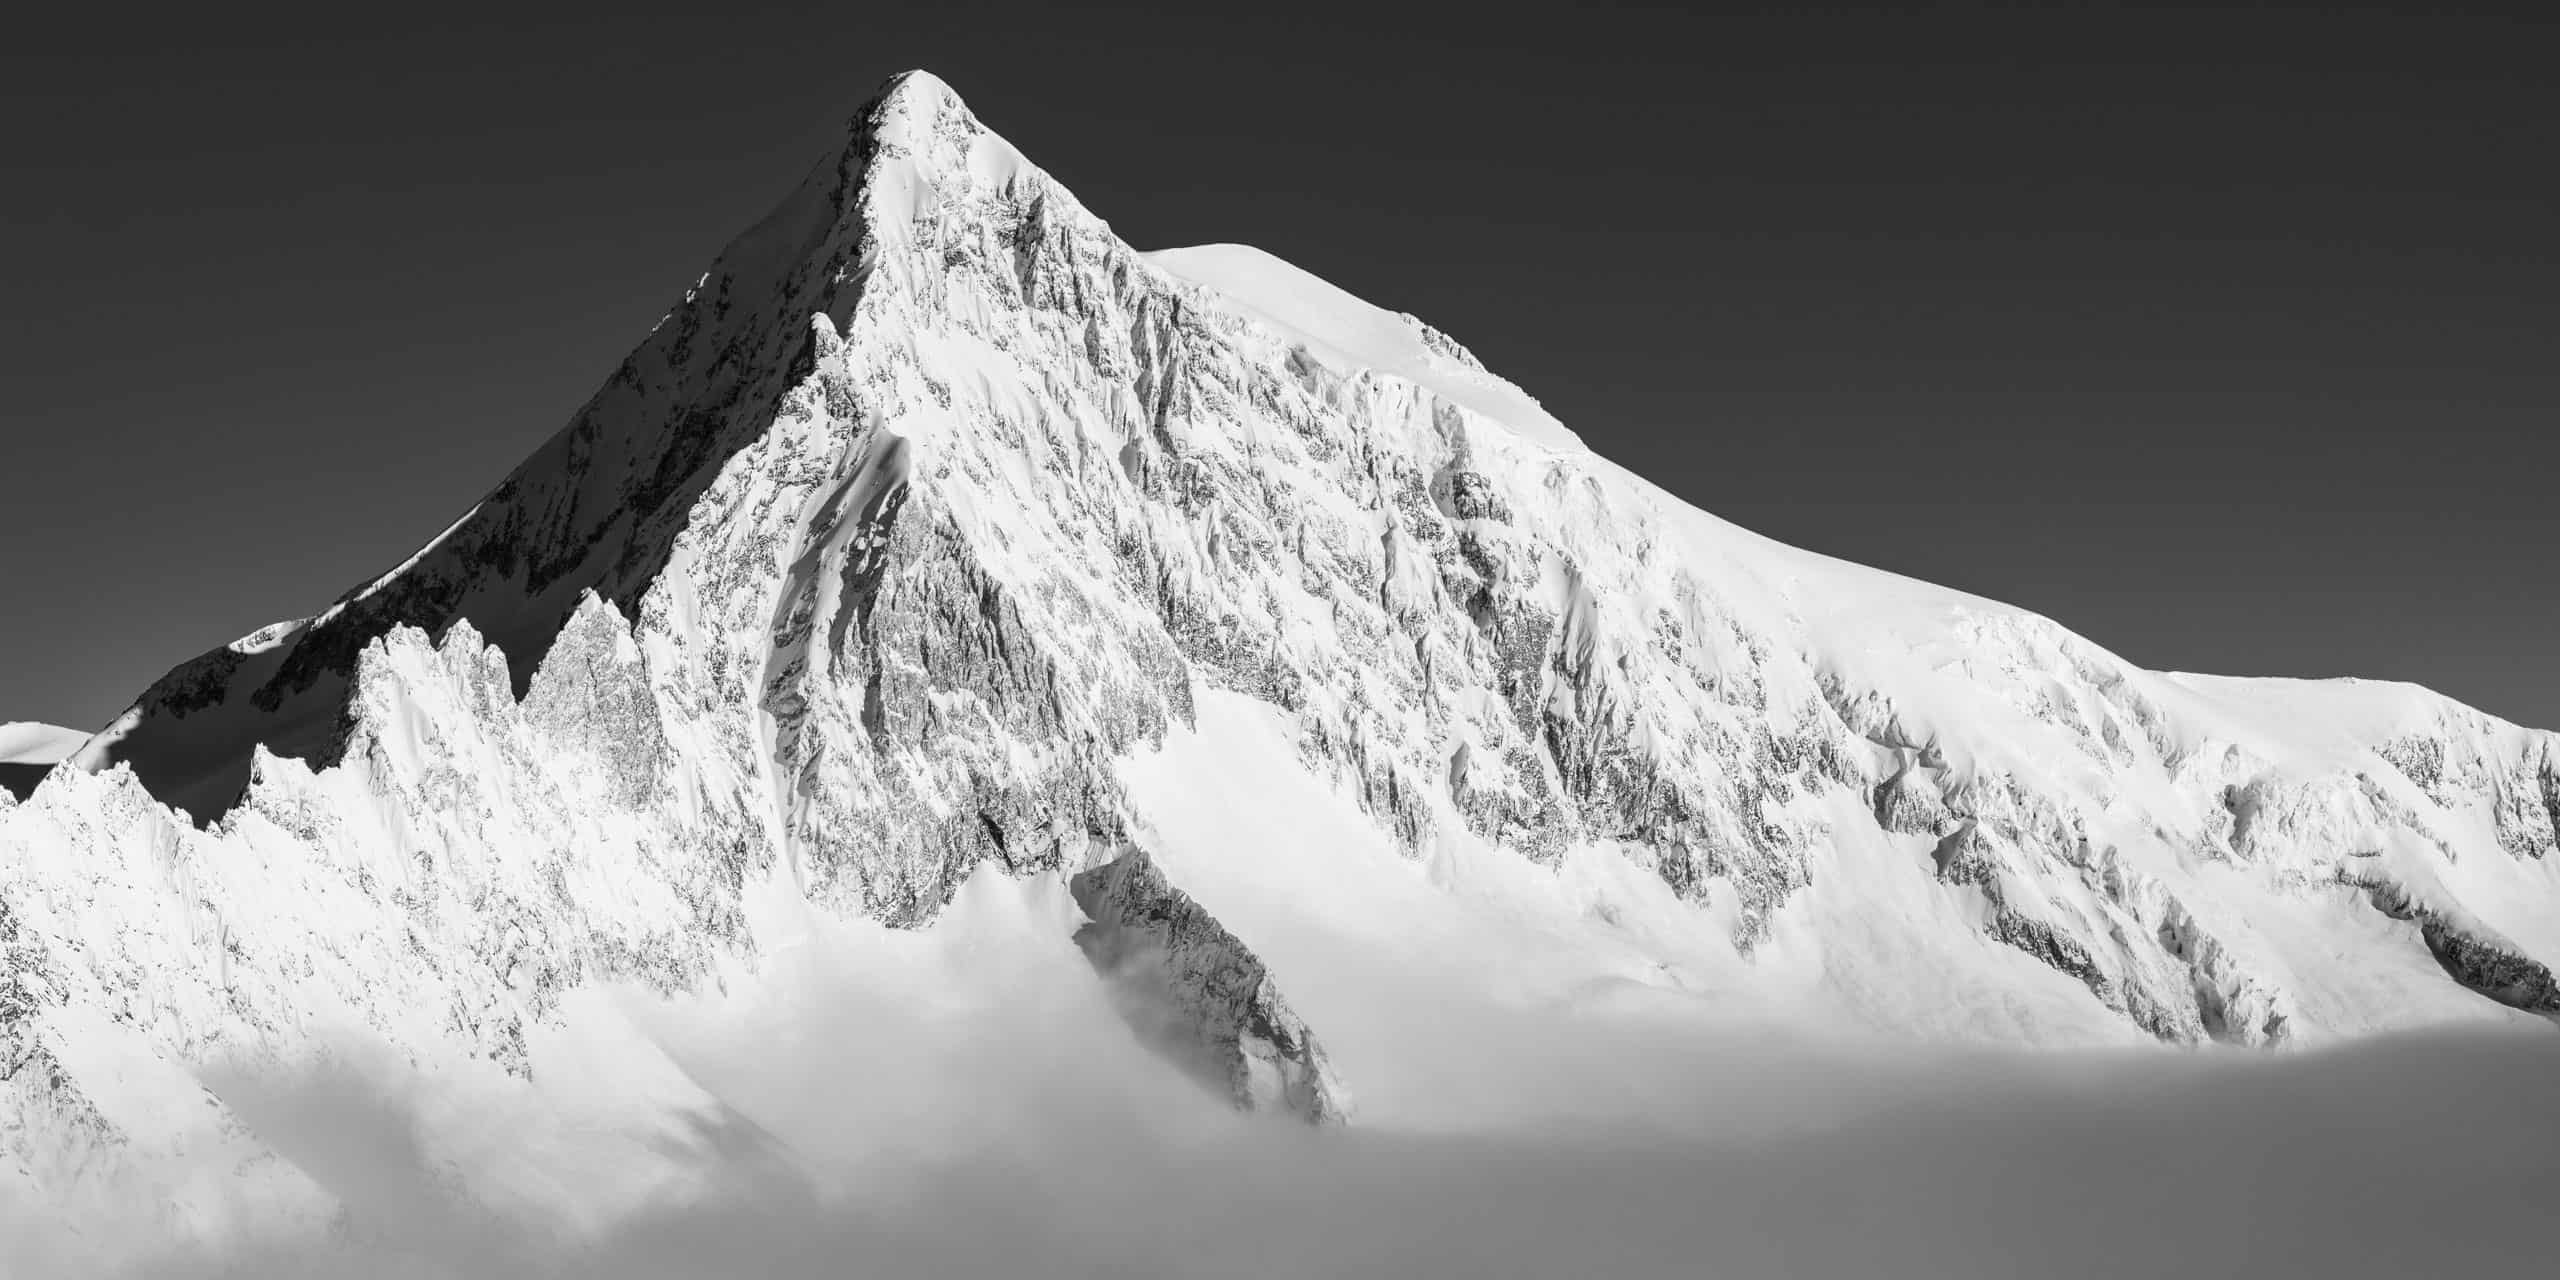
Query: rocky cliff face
column 933, row 503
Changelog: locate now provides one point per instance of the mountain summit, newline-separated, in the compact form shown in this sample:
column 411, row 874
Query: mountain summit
column 939, row 561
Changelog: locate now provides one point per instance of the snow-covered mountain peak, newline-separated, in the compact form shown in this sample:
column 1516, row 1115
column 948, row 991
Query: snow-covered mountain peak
column 920, row 126
column 1264, row 643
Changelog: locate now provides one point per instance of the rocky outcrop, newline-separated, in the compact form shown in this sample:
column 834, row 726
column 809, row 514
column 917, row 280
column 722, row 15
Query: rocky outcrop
column 1200, row 996
column 2495, row 971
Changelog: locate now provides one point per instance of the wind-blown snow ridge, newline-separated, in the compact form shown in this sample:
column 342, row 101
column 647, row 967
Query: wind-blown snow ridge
column 937, row 537
column 1358, row 336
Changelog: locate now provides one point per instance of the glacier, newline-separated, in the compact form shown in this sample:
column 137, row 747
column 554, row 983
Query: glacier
column 944, row 573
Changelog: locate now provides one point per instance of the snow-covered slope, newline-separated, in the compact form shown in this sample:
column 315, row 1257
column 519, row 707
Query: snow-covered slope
column 937, row 542
column 31, row 742
column 1352, row 334
column 29, row 750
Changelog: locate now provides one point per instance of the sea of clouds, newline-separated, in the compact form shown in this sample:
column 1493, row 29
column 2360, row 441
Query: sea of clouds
column 955, row 1104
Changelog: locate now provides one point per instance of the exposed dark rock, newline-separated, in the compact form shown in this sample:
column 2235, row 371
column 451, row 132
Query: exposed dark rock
column 2515, row 981
column 1199, row 996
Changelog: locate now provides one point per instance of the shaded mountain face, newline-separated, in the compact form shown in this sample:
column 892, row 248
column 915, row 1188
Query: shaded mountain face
column 935, row 525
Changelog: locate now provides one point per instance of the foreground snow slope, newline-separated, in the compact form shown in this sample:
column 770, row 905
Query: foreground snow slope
column 938, row 536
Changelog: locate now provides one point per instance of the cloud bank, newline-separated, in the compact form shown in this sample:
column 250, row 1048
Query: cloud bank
column 956, row 1103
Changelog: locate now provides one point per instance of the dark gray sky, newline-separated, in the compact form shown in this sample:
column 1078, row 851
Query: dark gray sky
column 2229, row 337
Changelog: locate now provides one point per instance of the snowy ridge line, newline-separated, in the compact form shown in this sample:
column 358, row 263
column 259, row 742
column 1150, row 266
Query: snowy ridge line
column 1358, row 336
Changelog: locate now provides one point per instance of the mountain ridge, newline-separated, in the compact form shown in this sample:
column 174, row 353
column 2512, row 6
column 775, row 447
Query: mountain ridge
column 939, row 544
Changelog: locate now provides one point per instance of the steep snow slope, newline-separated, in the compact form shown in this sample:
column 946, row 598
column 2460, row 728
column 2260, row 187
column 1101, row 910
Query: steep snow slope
column 936, row 538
